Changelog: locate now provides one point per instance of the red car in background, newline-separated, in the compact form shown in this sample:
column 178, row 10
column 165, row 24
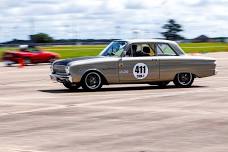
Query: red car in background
column 28, row 55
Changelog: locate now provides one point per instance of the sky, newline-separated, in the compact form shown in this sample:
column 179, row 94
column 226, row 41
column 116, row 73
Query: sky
column 98, row 19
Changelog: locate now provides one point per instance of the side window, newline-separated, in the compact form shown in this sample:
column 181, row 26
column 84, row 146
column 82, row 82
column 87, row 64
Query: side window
column 139, row 50
column 164, row 49
column 128, row 52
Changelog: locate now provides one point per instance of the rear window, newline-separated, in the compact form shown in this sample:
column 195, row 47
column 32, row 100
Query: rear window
column 164, row 49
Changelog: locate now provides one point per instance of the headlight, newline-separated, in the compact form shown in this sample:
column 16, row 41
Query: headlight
column 51, row 68
column 67, row 69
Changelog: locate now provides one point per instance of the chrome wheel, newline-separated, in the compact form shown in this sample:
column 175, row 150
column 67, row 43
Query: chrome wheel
column 92, row 81
column 184, row 79
column 27, row 61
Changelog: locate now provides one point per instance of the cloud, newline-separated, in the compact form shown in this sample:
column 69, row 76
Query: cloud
column 99, row 18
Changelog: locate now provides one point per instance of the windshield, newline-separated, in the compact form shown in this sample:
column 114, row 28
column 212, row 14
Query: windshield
column 115, row 48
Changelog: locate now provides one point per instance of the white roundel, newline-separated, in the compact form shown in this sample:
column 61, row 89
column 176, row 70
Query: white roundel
column 140, row 71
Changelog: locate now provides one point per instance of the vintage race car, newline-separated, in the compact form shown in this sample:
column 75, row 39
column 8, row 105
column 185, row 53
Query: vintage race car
column 155, row 62
column 28, row 54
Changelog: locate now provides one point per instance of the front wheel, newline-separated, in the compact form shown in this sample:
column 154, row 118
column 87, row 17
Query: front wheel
column 91, row 81
column 71, row 86
column 184, row 79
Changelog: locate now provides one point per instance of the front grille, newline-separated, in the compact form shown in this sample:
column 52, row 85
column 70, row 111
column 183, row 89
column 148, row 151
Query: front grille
column 59, row 69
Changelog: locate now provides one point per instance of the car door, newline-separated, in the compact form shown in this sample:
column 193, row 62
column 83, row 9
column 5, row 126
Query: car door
column 38, row 56
column 43, row 56
column 138, row 68
column 35, row 57
column 169, row 61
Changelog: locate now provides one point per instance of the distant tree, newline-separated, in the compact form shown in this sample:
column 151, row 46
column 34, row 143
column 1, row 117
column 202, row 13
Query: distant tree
column 172, row 29
column 41, row 38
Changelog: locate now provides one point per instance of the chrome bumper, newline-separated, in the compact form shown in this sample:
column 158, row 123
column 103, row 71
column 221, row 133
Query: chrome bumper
column 8, row 62
column 60, row 78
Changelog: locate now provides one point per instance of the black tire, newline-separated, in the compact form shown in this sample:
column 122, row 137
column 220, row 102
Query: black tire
column 161, row 84
column 183, row 80
column 27, row 61
column 92, row 81
column 71, row 86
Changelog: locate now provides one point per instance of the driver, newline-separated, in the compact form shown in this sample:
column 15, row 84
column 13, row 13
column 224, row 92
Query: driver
column 135, row 52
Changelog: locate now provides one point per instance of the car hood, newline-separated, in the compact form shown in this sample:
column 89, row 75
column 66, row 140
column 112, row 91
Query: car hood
column 67, row 61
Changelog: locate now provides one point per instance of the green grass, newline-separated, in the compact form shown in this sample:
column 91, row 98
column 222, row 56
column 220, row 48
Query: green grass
column 93, row 50
column 204, row 47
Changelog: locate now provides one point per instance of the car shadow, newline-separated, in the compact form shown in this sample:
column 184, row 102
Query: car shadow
column 110, row 89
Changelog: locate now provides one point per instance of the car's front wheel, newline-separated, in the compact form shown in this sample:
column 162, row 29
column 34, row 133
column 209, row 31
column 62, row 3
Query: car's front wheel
column 184, row 79
column 71, row 86
column 91, row 81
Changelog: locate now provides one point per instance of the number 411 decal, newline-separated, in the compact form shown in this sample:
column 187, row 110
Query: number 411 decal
column 140, row 71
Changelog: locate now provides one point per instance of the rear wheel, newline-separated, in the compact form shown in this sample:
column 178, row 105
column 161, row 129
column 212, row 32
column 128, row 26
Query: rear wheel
column 184, row 79
column 71, row 86
column 27, row 61
column 92, row 81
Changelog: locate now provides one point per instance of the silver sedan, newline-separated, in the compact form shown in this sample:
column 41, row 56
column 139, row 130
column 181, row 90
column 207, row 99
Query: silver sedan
column 153, row 61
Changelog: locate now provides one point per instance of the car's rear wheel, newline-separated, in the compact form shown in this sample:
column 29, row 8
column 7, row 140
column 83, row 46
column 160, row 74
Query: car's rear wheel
column 71, row 86
column 91, row 81
column 184, row 79
column 161, row 84
column 27, row 61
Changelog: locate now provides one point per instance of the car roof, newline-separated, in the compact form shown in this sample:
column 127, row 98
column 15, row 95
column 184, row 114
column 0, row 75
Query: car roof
column 148, row 40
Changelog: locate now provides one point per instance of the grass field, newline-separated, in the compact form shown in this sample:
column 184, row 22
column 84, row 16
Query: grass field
column 204, row 47
column 92, row 50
